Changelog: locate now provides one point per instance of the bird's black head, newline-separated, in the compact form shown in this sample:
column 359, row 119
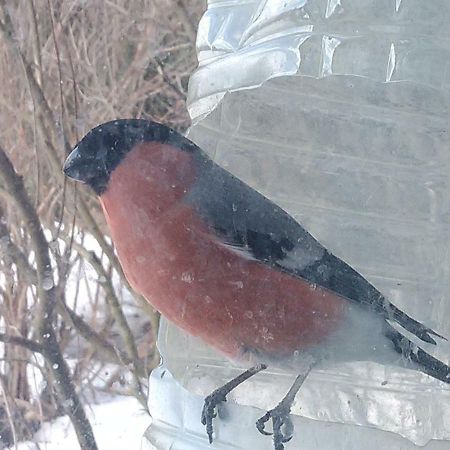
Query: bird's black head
column 96, row 156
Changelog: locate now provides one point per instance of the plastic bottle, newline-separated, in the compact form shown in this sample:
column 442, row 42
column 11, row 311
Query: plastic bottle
column 339, row 112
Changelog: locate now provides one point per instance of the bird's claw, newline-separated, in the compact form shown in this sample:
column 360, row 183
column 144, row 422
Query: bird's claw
column 209, row 411
column 283, row 428
column 261, row 424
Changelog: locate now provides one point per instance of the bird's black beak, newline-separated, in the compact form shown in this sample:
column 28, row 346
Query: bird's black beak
column 80, row 168
column 74, row 165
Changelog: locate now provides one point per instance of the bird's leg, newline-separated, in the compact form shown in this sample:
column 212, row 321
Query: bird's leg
column 219, row 395
column 283, row 428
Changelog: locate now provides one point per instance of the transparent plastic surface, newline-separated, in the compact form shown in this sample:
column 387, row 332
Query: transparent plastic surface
column 242, row 44
column 338, row 112
column 176, row 425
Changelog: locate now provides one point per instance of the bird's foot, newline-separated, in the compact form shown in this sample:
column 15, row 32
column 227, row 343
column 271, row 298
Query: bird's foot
column 282, row 426
column 220, row 395
column 209, row 409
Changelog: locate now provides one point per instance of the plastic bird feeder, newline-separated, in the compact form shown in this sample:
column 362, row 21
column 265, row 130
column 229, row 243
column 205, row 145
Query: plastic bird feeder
column 337, row 110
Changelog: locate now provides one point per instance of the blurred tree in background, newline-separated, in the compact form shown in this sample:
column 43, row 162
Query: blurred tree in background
column 69, row 326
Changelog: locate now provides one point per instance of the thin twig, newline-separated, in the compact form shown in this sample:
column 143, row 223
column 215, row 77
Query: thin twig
column 8, row 411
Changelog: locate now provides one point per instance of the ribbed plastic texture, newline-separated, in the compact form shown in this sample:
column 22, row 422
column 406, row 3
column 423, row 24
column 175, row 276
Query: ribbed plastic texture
column 339, row 112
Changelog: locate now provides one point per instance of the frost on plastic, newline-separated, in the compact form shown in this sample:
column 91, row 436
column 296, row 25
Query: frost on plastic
column 338, row 112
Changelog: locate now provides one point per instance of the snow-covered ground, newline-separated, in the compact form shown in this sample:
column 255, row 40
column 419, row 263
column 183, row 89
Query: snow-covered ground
column 119, row 423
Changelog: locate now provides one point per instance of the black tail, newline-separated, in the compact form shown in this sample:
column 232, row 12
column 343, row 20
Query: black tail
column 427, row 363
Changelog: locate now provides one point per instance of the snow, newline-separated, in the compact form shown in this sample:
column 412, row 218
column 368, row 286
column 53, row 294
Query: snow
column 118, row 422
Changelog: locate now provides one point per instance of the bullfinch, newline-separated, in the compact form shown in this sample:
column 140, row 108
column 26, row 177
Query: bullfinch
column 226, row 264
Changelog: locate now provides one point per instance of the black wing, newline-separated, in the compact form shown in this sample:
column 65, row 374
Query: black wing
column 251, row 224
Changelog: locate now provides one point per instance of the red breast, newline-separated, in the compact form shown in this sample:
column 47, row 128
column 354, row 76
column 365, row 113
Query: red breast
column 170, row 256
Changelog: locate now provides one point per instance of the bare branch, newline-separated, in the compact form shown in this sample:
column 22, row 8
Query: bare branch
column 46, row 292
column 87, row 332
column 22, row 342
column 117, row 313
